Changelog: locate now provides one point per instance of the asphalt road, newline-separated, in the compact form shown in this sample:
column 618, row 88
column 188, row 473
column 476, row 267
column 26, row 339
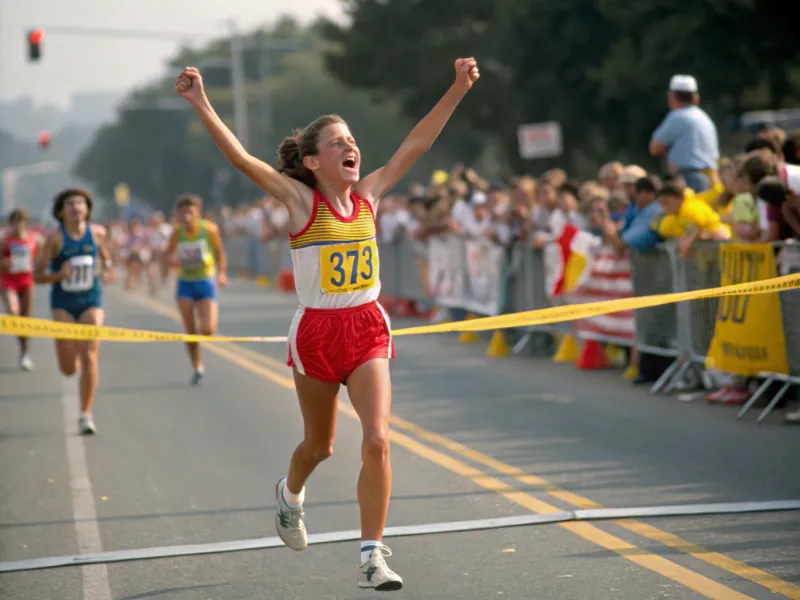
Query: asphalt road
column 473, row 438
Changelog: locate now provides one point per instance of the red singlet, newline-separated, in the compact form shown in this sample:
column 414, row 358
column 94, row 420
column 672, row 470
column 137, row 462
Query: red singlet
column 20, row 254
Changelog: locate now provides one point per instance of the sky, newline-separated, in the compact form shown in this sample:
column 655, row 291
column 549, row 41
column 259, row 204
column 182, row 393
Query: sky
column 74, row 63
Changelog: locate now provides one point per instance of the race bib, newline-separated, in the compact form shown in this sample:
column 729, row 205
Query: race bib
column 348, row 267
column 191, row 255
column 81, row 278
column 21, row 259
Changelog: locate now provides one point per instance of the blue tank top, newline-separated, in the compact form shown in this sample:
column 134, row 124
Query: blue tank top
column 83, row 258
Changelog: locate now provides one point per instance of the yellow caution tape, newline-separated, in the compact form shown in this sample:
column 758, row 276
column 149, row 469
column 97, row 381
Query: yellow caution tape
column 573, row 312
column 42, row 328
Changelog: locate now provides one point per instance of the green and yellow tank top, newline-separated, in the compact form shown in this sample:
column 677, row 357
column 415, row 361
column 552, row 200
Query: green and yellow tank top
column 195, row 255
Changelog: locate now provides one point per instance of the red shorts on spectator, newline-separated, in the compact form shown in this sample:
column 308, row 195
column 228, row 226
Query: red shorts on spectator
column 329, row 345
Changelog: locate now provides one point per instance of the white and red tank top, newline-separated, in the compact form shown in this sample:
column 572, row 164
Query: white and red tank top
column 335, row 258
column 20, row 253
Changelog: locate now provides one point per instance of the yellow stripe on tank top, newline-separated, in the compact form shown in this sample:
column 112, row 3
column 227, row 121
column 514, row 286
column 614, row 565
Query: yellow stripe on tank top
column 327, row 228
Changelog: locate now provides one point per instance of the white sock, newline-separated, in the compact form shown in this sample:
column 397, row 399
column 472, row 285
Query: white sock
column 367, row 546
column 84, row 415
column 293, row 500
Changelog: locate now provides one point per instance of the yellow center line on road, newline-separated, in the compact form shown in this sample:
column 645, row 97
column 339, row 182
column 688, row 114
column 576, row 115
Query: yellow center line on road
column 256, row 362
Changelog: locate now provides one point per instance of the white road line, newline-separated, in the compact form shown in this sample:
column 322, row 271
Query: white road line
column 399, row 531
column 95, row 576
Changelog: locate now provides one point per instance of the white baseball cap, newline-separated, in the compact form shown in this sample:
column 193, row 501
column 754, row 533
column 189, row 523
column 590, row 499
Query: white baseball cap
column 683, row 83
column 478, row 198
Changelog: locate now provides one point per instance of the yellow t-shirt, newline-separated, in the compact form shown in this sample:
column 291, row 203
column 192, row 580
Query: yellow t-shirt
column 710, row 197
column 696, row 212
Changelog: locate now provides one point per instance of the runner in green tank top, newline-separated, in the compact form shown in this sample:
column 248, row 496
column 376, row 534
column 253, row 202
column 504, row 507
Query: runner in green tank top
column 202, row 266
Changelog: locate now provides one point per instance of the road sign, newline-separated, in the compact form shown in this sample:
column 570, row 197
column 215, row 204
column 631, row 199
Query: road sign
column 540, row 140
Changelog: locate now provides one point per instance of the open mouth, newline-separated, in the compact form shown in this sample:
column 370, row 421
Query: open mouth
column 349, row 163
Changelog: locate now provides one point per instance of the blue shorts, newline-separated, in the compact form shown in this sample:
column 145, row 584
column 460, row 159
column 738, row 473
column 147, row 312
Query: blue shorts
column 75, row 304
column 202, row 289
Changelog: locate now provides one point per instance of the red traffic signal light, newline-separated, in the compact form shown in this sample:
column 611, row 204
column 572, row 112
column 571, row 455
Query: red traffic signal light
column 35, row 38
column 44, row 140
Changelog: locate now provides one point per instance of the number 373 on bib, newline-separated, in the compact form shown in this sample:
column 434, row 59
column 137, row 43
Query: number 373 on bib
column 349, row 267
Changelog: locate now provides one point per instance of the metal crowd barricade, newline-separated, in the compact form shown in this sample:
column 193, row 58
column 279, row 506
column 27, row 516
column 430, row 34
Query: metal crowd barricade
column 236, row 251
column 403, row 268
column 696, row 319
column 526, row 290
column 790, row 313
column 701, row 270
column 652, row 272
column 252, row 257
column 411, row 259
column 790, row 310
column 389, row 268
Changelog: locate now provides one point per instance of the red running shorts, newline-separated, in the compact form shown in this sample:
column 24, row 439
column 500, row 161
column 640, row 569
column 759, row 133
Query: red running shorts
column 329, row 344
column 18, row 282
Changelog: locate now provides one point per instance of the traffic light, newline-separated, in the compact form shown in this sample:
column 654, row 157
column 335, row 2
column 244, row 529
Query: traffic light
column 44, row 140
column 35, row 38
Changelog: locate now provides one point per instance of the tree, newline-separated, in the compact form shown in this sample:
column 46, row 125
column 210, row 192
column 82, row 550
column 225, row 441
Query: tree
column 599, row 67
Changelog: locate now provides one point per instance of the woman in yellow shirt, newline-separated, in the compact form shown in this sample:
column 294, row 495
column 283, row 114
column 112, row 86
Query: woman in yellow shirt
column 202, row 268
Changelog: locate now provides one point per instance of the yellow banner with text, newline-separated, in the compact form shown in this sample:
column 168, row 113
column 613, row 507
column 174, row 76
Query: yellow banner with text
column 748, row 333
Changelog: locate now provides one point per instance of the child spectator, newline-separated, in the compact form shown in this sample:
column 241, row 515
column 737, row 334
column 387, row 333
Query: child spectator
column 688, row 218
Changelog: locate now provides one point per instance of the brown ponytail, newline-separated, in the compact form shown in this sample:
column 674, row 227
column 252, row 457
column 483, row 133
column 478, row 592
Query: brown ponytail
column 292, row 150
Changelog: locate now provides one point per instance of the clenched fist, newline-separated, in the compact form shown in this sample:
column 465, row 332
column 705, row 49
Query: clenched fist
column 190, row 84
column 65, row 272
column 466, row 73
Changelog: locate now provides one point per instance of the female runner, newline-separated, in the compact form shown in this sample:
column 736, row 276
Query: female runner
column 69, row 262
column 202, row 265
column 340, row 335
column 17, row 254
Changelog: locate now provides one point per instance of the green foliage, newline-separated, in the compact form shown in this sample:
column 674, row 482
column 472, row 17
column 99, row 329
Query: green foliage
column 600, row 67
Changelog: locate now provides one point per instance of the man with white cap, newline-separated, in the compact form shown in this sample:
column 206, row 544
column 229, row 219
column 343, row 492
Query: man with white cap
column 687, row 136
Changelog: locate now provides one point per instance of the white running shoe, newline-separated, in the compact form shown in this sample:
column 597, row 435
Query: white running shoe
column 289, row 521
column 86, row 425
column 25, row 363
column 376, row 574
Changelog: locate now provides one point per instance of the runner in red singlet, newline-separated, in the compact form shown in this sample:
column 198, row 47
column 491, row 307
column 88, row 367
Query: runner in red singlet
column 17, row 258
column 340, row 335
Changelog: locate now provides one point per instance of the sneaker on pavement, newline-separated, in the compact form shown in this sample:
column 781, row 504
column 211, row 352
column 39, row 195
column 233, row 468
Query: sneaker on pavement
column 719, row 395
column 375, row 573
column 289, row 521
column 792, row 417
column 197, row 377
column 25, row 363
column 86, row 425
column 737, row 397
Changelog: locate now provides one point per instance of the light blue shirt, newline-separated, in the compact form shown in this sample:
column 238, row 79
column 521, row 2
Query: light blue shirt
column 691, row 137
column 638, row 233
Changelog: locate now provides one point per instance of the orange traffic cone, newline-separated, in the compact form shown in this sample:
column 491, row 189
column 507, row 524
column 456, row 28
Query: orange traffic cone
column 404, row 308
column 286, row 280
column 593, row 356
column 387, row 302
column 568, row 350
column 498, row 346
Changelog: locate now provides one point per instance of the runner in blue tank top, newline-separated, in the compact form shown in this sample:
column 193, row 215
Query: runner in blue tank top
column 72, row 260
